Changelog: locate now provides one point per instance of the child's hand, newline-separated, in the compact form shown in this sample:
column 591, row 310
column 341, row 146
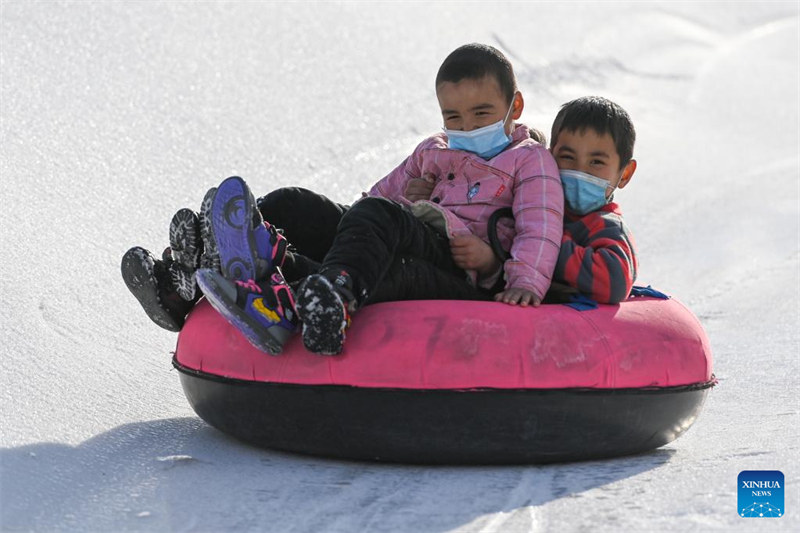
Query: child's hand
column 522, row 297
column 471, row 253
column 420, row 188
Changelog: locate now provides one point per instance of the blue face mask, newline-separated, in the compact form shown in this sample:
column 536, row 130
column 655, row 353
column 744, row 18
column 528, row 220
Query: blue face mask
column 486, row 142
column 583, row 192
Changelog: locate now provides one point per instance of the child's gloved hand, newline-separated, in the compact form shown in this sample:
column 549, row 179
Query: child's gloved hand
column 420, row 188
column 522, row 297
column 470, row 252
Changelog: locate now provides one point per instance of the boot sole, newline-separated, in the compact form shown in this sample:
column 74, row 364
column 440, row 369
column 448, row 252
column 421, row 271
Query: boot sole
column 139, row 276
column 186, row 245
column 231, row 219
column 210, row 257
column 323, row 316
column 184, row 239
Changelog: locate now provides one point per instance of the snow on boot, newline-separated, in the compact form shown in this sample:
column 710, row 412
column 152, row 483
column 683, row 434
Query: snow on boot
column 210, row 256
column 149, row 281
column 186, row 248
column 323, row 309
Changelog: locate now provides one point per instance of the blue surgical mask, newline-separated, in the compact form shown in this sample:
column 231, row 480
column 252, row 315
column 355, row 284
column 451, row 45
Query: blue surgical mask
column 583, row 192
column 486, row 142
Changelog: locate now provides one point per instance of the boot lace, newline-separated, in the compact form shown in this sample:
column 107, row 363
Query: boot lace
column 249, row 285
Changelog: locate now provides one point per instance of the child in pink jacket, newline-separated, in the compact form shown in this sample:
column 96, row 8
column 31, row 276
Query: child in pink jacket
column 433, row 208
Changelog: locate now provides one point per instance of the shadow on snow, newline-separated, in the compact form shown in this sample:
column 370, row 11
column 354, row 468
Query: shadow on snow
column 180, row 474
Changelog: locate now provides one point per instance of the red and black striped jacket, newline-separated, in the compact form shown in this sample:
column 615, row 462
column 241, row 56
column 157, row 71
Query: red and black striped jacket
column 597, row 255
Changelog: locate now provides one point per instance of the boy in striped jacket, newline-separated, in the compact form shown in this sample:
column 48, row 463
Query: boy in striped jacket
column 592, row 141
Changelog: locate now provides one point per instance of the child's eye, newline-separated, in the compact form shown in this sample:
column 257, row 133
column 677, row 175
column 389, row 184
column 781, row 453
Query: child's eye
column 565, row 157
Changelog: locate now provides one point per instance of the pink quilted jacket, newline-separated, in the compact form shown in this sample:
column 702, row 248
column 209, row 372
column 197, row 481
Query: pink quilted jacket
column 469, row 189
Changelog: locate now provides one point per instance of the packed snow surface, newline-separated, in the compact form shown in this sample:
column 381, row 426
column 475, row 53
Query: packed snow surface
column 116, row 114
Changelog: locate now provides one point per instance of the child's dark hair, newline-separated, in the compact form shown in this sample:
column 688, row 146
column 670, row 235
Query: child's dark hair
column 474, row 61
column 603, row 116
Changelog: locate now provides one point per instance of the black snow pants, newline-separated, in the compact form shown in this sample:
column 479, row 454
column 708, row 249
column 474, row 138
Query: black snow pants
column 388, row 252
column 308, row 221
column 391, row 255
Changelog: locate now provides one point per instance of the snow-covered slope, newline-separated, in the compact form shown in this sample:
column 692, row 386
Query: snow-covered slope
column 114, row 115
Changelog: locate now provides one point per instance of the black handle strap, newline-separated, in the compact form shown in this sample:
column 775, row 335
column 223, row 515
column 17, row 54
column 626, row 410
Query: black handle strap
column 494, row 241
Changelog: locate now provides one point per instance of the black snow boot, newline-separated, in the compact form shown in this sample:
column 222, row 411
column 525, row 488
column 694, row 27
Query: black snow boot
column 150, row 281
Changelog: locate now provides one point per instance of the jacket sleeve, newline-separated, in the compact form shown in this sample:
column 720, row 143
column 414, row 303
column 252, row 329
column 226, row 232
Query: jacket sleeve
column 597, row 257
column 538, row 207
column 393, row 186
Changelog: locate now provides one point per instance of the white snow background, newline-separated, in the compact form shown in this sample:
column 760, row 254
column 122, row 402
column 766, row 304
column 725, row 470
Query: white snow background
column 116, row 114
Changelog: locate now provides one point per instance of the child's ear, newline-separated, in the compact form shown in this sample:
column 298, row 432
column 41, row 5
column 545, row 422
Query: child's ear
column 517, row 106
column 627, row 174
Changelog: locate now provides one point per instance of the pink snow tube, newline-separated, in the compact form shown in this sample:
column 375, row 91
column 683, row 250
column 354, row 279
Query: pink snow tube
column 460, row 382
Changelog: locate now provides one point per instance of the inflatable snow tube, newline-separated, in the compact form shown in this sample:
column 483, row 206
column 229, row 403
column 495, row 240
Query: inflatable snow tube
column 467, row 382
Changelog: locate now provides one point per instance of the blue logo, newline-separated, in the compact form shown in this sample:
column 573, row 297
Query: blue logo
column 473, row 191
column 761, row 494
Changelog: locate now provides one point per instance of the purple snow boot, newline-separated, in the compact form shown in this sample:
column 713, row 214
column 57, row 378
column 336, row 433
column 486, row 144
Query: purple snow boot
column 262, row 311
column 235, row 236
